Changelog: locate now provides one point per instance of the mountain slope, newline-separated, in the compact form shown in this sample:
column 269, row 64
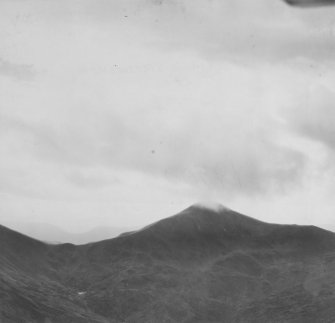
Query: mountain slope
column 201, row 265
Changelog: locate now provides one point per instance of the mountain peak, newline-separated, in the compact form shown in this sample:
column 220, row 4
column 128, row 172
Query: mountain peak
column 210, row 206
column 205, row 218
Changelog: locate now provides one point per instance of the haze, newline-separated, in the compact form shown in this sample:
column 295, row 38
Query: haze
column 120, row 113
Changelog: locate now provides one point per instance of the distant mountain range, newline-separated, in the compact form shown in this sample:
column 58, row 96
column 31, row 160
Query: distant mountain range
column 53, row 234
column 202, row 265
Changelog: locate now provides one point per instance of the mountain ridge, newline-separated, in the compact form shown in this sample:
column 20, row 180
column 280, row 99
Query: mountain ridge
column 204, row 264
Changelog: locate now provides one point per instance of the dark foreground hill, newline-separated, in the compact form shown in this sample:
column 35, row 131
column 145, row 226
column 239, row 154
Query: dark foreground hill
column 201, row 265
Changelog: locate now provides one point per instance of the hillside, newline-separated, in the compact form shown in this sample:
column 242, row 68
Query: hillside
column 201, row 265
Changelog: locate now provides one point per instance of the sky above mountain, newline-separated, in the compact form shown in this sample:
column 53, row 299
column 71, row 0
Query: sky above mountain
column 124, row 112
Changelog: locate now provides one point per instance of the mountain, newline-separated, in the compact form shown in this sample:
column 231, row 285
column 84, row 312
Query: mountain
column 205, row 264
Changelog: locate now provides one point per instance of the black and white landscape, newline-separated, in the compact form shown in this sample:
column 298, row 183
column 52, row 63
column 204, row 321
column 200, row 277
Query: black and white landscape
column 201, row 265
column 117, row 114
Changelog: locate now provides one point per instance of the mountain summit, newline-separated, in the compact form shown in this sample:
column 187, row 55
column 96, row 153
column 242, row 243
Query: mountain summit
column 203, row 217
column 207, row 263
column 206, row 230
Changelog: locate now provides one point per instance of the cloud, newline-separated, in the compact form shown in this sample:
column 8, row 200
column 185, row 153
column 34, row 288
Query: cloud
column 93, row 179
column 168, row 101
column 182, row 120
column 22, row 72
column 177, row 137
column 314, row 115
column 245, row 32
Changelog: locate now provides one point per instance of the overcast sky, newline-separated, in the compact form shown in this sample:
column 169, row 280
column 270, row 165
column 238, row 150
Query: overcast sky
column 122, row 112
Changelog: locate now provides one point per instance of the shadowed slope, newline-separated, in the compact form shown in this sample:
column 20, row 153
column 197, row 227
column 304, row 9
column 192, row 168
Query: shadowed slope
column 21, row 252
